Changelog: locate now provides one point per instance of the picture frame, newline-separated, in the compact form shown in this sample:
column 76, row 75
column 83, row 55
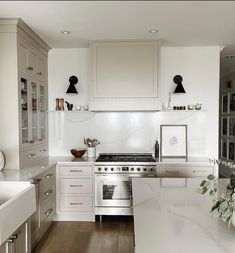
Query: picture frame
column 173, row 139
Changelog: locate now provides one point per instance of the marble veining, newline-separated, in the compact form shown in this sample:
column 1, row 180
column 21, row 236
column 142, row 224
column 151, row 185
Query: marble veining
column 170, row 216
column 123, row 131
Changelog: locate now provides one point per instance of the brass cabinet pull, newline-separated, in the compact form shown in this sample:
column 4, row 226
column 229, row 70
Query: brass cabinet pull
column 12, row 238
column 39, row 73
column 30, row 155
column 48, row 212
column 29, row 68
column 76, row 204
column 49, row 176
column 43, row 150
column 47, row 193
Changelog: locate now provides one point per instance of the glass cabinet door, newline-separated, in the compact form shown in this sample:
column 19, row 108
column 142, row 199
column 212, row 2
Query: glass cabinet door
column 34, row 112
column 24, row 90
column 42, row 114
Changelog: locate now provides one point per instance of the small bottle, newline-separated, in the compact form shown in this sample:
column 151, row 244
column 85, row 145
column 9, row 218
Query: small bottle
column 156, row 150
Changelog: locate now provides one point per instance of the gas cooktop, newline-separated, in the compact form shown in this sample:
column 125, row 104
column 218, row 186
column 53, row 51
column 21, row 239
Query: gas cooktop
column 125, row 157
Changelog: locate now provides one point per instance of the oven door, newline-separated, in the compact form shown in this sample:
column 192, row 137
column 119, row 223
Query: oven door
column 113, row 190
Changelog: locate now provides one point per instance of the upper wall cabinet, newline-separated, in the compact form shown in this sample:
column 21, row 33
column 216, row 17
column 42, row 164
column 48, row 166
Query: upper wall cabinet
column 23, row 97
column 124, row 76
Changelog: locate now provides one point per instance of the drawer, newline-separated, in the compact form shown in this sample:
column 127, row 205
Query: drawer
column 33, row 155
column 79, row 171
column 202, row 171
column 47, row 191
column 75, row 203
column 48, row 211
column 75, row 186
column 48, row 176
column 174, row 171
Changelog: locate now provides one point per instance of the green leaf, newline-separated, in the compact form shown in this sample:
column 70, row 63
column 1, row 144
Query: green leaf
column 211, row 177
column 233, row 197
column 211, row 193
column 202, row 183
column 216, row 213
column 223, row 206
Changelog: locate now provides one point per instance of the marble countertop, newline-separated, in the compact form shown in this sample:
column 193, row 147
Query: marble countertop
column 28, row 173
column 171, row 217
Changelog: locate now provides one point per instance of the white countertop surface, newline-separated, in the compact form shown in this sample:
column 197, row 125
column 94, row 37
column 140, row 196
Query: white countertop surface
column 171, row 217
column 28, row 173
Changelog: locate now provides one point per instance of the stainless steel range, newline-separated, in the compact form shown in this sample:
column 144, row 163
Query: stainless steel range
column 113, row 173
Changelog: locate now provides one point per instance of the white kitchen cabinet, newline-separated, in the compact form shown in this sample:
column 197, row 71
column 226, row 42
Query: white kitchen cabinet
column 18, row 242
column 184, row 170
column 45, row 186
column 23, row 98
column 124, row 76
column 75, row 192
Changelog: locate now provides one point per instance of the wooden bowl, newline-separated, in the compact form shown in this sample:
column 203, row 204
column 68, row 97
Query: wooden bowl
column 78, row 152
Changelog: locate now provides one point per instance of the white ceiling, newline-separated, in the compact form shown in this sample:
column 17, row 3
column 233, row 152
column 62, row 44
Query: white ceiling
column 188, row 23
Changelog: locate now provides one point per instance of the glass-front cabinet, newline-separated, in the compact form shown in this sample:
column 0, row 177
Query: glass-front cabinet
column 33, row 112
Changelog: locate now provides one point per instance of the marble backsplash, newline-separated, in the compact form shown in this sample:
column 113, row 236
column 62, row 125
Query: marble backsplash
column 123, row 131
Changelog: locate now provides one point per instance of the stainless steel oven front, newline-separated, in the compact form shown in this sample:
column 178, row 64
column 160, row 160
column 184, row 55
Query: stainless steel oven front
column 113, row 194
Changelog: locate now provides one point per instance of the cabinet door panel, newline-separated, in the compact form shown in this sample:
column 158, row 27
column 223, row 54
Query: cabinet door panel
column 3, row 248
column 40, row 66
column 124, row 70
column 32, row 55
column 22, row 55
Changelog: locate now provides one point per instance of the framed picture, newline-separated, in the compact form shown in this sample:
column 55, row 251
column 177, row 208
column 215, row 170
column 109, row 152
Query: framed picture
column 173, row 141
column 231, row 150
column 224, row 103
column 224, row 126
column 224, row 148
column 232, row 126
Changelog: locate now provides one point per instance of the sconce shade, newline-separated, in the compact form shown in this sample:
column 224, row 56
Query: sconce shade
column 179, row 88
column 73, row 80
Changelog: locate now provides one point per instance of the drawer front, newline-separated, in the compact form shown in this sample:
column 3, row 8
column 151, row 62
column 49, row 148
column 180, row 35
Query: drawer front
column 49, row 176
column 75, row 186
column 75, row 203
column 48, row 211
column 47, row 191
column 79, row 171
column 202, row 171
column 174, row 172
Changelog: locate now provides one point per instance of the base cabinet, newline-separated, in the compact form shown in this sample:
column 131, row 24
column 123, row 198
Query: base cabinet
column 18, row 242
column 184, row 170
column 45, row 195
column 75, row 192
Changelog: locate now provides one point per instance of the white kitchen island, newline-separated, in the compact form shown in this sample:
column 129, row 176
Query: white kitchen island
column 171, row 217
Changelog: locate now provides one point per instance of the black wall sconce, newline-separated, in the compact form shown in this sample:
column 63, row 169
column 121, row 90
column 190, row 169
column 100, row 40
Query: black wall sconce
column 179, row 88
column 73, row 80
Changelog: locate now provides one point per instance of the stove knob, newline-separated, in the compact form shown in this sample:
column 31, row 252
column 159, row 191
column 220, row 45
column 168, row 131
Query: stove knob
column 99, row 169
column 105, row 169
column 112, row 169
column 151, row 169
column 138, row 169
column 132, row 169
column 145, row 169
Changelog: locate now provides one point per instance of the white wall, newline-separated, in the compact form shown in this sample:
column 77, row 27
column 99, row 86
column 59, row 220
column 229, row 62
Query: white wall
column 137, row 131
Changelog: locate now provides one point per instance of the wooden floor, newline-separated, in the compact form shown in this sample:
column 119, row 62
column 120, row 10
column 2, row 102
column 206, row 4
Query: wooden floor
column 113, row 235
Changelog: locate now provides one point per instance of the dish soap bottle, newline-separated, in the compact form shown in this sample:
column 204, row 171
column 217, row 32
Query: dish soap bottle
column 156, row 150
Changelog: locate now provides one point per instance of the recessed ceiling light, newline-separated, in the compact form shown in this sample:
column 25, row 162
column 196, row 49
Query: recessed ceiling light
column 153, row 30
column 229, row 56
column 65, row 32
